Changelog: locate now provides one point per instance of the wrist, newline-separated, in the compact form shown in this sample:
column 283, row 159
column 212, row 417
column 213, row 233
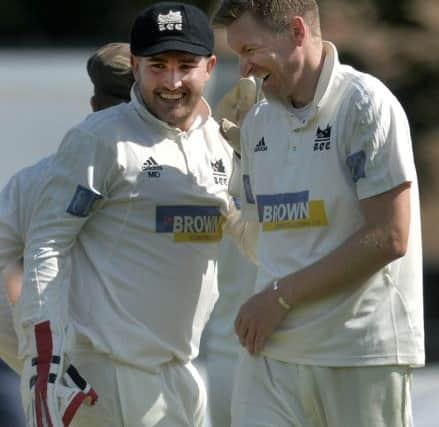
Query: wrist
column 280, row 299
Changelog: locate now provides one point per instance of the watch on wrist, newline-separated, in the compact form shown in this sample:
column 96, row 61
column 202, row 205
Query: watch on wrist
column 280, row 298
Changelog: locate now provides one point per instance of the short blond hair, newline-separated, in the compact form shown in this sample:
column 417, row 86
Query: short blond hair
column 273, row 14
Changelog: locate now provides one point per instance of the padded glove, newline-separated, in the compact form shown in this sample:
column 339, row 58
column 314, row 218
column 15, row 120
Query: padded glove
column 51, row 394
column 232, row 108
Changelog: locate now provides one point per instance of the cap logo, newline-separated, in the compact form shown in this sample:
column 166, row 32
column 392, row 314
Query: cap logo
column 172, row 21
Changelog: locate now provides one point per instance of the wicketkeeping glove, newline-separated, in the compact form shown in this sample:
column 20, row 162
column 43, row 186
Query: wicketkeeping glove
column 232, row 108
column 52, row 394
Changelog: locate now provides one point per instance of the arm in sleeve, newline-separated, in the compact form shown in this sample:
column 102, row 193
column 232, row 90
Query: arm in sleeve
column 245, row 234
column 243, row 167
column 379, row 162
column 378, row 147
column 77, row 180
column 11, row 242
column 242, row 220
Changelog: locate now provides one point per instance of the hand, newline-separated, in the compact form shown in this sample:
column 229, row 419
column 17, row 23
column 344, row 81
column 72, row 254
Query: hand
column 230, row 132
column 236, row 103
column 258, row 318
column 232, row 108
column 52, row 397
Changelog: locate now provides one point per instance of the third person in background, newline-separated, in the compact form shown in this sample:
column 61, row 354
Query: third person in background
column 336, row 324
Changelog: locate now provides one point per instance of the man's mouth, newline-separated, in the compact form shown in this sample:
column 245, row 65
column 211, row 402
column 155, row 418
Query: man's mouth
column 171, row 96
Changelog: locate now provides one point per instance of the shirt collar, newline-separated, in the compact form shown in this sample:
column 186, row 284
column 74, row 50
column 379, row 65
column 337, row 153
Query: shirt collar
column 323, row 84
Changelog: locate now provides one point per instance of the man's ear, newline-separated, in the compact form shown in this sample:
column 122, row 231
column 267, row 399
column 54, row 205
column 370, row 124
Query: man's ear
column 298, row 29
column 211, row 62
column 134, row 66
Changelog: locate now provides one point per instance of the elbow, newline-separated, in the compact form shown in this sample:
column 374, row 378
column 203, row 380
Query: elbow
column 398, row 251
column 396, row 247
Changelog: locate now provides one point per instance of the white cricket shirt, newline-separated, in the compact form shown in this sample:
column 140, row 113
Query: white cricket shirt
column 302, row 180
column 141, row 203
column 17, row 199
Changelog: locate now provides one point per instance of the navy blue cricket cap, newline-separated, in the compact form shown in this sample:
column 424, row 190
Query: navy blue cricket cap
column 171, row 26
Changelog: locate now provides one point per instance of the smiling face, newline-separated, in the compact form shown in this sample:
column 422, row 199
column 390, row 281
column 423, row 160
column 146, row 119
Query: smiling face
column 276, row 58
column 172, row 84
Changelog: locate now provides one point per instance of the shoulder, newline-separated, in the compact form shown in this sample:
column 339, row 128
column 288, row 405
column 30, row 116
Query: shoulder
column 368, row 93
column 263, row 112
column 367, row 103
column 108, row 124
column 28, row 178
column 265, row 116
column 31, row 172
column 99, row 131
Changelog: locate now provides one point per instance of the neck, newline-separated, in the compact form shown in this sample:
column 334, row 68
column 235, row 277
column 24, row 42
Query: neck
column 311, row 71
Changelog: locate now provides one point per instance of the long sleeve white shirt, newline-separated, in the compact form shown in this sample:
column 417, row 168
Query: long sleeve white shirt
column 140, row 204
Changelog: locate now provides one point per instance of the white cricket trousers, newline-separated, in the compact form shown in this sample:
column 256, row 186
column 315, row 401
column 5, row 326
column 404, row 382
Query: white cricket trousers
column 130, row 397
column 270, row 393
column 219, row 369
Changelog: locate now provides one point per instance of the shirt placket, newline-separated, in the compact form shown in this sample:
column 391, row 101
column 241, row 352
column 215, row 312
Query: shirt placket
column 191, row 158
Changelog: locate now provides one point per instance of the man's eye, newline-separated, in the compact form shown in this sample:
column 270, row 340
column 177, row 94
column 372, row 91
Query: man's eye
column 187, row 66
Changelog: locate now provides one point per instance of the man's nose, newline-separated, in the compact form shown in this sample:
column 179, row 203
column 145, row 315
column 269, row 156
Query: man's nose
column 173, row 79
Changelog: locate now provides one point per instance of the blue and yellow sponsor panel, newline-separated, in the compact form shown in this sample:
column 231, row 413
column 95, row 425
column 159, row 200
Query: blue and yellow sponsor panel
column 190, row 223
column 290, row 211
